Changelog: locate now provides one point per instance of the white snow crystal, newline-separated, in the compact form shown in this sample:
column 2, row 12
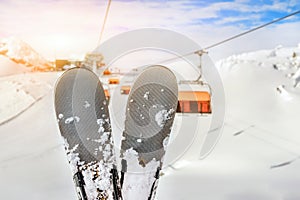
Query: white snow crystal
column 77, row 119
column 60, row 116
column 69, row 120
column 73, row 157
column 86, row 104
column 107, row 153
column 139, row 140
column 100, row 122
column 130, row 153
column 166, row 142
column 104, row 137
column 146, row 95
column 163, row 116
column 100, row 148
column 107, row 147
column 137, row 185
column 104, row 184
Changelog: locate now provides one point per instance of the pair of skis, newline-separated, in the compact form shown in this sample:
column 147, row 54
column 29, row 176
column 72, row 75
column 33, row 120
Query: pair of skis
column 84, row 123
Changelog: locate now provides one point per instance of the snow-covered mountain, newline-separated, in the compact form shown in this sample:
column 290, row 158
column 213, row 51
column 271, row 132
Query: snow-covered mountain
column 284, row 60
column 22, row 53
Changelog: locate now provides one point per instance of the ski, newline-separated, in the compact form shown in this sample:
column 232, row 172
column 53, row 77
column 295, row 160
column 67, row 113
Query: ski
column 83, row 119
column 150, row 113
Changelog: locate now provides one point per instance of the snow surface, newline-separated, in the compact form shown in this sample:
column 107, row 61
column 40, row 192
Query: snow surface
column 9, row 67
column 33, row 163
column 19, row 93
column 138, row 180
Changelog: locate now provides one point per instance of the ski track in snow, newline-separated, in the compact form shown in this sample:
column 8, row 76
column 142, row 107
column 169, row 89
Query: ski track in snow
column 18, row 95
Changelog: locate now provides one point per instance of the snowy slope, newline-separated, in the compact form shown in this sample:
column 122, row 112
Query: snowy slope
column 18, row 93
column 261, row 132
column 9, row 67
column 257, row 156
column 285, row 60
column 21, row 53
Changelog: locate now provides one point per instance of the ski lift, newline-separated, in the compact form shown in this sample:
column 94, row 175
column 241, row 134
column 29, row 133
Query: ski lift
column 125, row 89
column 194, row 102
column 113, row 81
column 107, row 72
column 107, row 94
column 196, row 98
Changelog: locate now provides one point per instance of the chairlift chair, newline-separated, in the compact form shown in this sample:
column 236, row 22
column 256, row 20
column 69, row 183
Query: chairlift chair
column 194, row 96
column 125, row 89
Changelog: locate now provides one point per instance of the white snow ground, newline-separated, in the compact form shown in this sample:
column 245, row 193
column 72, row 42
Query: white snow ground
column 33, row 164
column 8, row 67
column 18, row 93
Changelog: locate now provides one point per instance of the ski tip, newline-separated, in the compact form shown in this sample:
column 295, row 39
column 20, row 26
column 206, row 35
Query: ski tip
column 159, row 75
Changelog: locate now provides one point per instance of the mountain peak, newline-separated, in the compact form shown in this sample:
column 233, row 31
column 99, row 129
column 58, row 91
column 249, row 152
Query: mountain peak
column 22, row 53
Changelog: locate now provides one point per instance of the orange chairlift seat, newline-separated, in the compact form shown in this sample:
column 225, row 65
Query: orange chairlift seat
column 194, row 102
column 107, row 94
column 125, row 89
column 113, row 81
column 106, row 72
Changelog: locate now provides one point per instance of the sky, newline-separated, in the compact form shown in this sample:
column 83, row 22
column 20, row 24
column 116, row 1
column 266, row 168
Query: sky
column 70, row 28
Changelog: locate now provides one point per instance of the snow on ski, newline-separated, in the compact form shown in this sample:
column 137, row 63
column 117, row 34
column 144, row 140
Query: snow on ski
column 84, row 123
column 150, row 112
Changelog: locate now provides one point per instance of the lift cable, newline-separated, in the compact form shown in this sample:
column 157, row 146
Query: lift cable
column 231, row 38
column 104, row 22
column 254, row 29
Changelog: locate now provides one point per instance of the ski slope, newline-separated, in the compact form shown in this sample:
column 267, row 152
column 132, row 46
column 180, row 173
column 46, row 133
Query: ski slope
column 256, row 158
column 8, row 67
column 265, row 122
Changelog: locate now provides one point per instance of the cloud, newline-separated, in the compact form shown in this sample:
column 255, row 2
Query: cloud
column 62, row 27
column 44, row 24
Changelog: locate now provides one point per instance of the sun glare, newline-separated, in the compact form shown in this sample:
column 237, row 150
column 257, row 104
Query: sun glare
column 60, row 45
column 59, row 42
